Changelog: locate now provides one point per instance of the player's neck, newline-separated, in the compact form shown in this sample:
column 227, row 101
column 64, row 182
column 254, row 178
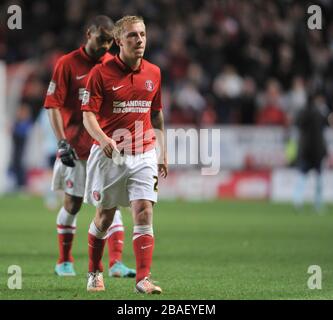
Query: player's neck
column 134, row 64
column 90, row 52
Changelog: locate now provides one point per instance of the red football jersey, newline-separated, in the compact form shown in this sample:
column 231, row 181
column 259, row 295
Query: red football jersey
column 65, row 92
column 123, row 99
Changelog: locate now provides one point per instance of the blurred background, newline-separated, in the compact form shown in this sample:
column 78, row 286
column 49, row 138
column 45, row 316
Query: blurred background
column 249, row 69
column 245, row 67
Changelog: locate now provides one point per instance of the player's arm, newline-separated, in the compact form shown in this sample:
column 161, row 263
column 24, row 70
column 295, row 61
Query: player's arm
column 56, row 123
column 56, row 96
column 66, row 153
column 157, row 121
column 92, row 126
column 54, row 101
column 91, row 104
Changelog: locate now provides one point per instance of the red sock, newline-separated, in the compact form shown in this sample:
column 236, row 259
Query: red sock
column 143, row 250
column 96, row 248
column 65, row 242
column 116, row 244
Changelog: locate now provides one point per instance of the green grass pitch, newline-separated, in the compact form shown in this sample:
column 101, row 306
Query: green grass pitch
column 203, row 250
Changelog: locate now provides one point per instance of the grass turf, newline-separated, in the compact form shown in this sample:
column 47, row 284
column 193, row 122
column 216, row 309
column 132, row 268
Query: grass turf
column 203, row 250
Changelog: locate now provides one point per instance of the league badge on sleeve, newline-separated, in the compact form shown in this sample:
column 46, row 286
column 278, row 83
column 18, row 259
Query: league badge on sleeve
column 51, row 88
column 86, row 97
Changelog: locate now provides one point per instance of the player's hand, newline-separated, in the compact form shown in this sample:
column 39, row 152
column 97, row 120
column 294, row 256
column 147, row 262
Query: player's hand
column 109, row 146
column 66, row 153
column 163, row 167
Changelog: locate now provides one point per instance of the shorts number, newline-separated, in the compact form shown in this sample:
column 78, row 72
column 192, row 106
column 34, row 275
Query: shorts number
column 156, row 183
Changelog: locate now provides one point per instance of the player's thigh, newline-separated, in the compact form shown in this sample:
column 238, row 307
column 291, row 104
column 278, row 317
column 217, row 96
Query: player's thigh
column 106, row 181
column 70, row 179
column 77, row 176
column 142, row 183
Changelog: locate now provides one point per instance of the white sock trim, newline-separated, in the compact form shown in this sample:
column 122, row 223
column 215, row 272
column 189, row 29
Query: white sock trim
column 64, row 218
column 96, row 232
column 117, row 219
column 141, row 230
column 114, row 229
column 66, row 231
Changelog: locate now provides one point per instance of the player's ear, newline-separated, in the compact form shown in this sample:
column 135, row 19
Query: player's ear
column 88, row 33
column 118, row 42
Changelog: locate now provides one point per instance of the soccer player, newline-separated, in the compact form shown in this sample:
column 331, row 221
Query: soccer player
column 63, row 101
column 312, row 149
column 122, row 105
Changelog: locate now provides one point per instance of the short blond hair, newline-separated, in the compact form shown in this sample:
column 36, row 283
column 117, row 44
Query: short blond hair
column 119, row 25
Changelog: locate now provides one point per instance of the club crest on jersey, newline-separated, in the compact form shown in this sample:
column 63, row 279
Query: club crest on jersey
column 69, row 184
column 51, row 88
column 149, row 85
column 97, row 195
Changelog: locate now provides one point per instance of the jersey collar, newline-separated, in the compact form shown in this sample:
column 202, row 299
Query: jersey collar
column 125, row 67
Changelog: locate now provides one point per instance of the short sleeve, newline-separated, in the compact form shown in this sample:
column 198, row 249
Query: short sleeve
column 93, row 95
column 57, row 90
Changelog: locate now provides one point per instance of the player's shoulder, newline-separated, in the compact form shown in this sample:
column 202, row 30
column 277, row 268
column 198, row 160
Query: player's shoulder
column 106, row 66
column 107, row 57
column 151, row 67
column 97, row 70
column 109, row 62
column 67, row 58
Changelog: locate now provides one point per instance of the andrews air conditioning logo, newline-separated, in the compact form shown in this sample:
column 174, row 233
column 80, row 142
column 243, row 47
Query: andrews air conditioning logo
column 133, row 106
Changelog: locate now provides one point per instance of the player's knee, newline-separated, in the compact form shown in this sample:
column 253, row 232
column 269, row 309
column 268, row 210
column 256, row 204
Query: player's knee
column 144, row 216
column 104, row 218
column 105, row 222
column 73, row 204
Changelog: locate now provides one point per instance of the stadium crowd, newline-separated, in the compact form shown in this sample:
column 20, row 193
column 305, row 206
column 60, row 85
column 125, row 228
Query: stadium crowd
column 230, row 62
column 222, row 61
